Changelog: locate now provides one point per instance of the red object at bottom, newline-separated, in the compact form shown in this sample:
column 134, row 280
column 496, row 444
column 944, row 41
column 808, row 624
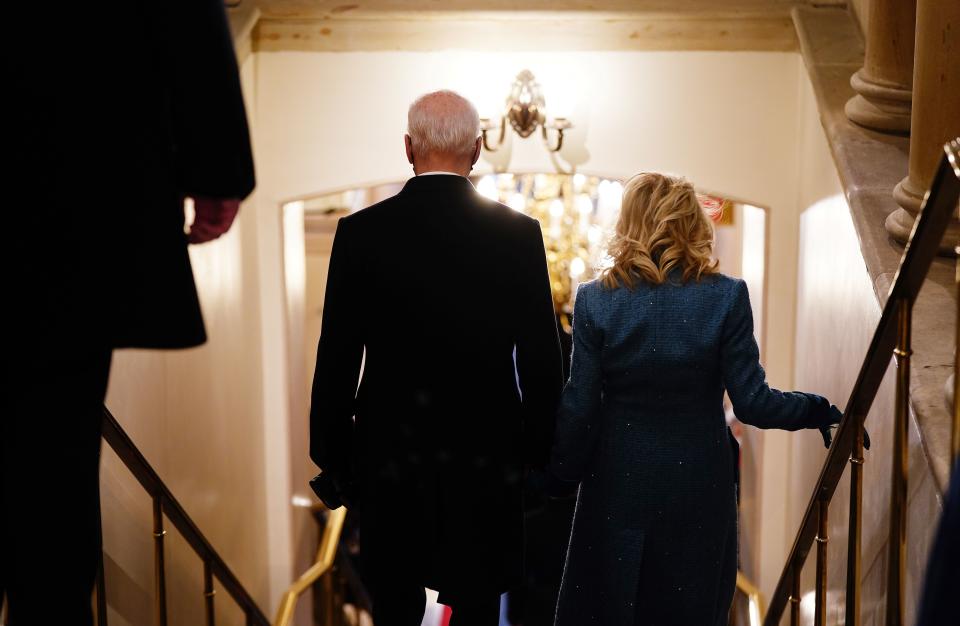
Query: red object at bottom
column 445, row 619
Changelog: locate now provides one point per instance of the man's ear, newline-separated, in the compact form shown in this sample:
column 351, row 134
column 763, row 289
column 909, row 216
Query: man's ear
column 476, row 151
column 408, row 144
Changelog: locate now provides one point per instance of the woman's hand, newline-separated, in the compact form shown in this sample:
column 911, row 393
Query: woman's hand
column 827, row 431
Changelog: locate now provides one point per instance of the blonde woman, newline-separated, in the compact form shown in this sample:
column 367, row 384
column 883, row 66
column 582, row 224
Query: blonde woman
column 658, row 338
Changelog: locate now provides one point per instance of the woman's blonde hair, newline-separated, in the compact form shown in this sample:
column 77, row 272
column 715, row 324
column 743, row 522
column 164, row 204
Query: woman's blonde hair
column 661, row 227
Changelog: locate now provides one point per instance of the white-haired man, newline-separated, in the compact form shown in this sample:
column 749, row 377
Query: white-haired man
column 437, row 288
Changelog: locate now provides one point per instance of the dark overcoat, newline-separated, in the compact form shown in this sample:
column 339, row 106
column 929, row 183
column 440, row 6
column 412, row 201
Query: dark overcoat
column 112, row 115
column 642, row 425
column 435, row 290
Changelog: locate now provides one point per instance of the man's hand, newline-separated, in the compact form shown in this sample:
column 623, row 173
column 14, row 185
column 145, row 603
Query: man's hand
column 213, row 217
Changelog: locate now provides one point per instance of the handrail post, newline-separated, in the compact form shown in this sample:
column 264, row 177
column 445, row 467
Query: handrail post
column 160, row 574
column 208, row 592
column 856, row 523
column 820, row 604
column 898, row 482
column 795, row 596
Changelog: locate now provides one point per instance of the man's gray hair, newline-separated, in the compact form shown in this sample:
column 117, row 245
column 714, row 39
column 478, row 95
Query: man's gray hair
column 443, row 122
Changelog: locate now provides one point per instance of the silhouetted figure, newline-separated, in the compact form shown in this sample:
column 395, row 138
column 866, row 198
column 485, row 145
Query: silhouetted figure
column 641, row 428
column 436, row 286
column 113, row 112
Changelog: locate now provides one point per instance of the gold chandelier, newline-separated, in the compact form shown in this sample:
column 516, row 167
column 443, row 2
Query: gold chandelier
column 525, row 111
column 576, row 213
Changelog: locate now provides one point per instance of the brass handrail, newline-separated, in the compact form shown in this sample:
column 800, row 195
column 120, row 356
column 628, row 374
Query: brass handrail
column 892, row 337
column 164, row 504
column 754, row 599
column 326, row 553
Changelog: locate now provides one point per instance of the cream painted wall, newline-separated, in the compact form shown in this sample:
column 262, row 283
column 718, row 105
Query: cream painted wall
column 199, row 417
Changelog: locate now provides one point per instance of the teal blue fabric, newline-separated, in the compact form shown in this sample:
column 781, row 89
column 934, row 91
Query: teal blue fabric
column 641, row 427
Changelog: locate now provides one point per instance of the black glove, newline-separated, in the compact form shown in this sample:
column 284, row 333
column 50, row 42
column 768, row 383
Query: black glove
column 827, row 431
column 334, row 492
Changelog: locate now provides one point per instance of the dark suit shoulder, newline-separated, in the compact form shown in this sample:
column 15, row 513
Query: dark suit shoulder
column 371, row 212
column 506, row 215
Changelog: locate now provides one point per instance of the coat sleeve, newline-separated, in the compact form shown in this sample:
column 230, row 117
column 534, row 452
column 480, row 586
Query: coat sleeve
column 211, row 140
column 339, row 357
column 579, row 412
column 539, row 360
column 754, row 402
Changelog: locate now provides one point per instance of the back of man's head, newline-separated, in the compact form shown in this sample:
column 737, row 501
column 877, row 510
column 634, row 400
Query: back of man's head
column 443, row 123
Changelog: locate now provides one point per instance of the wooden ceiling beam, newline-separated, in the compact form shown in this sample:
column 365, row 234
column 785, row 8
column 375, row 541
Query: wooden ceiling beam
column 527, row 32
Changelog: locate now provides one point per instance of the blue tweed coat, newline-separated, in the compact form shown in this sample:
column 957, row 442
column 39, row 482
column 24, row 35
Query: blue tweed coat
column 641, row 427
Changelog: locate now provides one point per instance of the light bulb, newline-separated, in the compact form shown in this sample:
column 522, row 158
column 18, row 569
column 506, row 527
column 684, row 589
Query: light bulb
column 584, row 204
column 577, row 267
column 578, row 181
column 556, row 208
column 594, row 234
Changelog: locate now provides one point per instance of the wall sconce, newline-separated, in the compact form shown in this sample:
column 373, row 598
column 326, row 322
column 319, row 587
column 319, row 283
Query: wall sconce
column 526, row 111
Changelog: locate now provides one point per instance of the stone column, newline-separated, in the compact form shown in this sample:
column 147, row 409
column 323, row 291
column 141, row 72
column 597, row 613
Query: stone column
column 884, row 83
column 936, row 112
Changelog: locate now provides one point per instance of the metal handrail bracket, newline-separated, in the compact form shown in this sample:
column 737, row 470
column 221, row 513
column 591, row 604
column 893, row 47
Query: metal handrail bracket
column 326, row 553
column 754, row 599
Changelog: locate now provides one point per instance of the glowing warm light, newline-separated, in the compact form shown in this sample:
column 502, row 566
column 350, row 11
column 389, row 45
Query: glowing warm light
column 609, row 196
column 584, row 204
column 753, row 261
column 301, row 501
column 577, row 267
column 556, row 208
column 488, row 188
column 294, row 254
column 808, row 606
column 517, row 202
column 578, row 181
column 595, row 234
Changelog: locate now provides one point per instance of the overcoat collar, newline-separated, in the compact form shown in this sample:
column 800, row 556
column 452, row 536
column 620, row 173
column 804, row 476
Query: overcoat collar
column 433, row 184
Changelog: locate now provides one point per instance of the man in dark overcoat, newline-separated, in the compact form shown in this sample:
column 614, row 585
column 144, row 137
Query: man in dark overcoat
column 442, row 298
column 113, row 113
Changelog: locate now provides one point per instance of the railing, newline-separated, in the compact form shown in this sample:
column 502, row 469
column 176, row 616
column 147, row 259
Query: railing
column 326, row 553
column 164, row 504
column 892, row 336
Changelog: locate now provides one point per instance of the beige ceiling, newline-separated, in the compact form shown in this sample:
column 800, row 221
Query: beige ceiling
column 347, row 25
column 331, row 8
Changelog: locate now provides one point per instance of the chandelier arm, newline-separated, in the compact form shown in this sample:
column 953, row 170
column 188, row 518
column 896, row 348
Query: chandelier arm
column 546, row 139
column 503, row 135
